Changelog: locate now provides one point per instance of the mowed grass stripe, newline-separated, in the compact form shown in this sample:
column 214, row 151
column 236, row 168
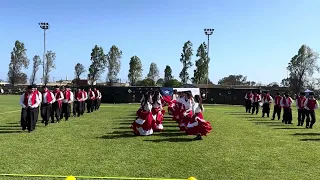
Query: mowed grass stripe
column 241, row 146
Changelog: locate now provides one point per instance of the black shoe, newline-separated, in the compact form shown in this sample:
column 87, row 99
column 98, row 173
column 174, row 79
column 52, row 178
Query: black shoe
column 298, row 125
column 52, row 121
column 42, row 121
column 46, row 123
column 272, row 119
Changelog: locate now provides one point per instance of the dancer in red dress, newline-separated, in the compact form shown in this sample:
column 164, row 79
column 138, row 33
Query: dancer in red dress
column 198, row 126
column 143, row 124
column 187, row 111
column 157, row 112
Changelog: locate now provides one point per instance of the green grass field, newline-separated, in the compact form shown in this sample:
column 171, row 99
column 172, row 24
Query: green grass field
column 241, row 146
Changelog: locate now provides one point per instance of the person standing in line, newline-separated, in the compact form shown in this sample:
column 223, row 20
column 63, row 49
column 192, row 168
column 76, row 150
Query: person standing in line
column 57, row 105
column 99, row 99
column 77, row 105
column 286, row 103
column 300, row 106
column 46, row 105
column 255, row 105
column 95, row 101
column 277, row 107
column 66, row 103
column 266, row 101
column 311, row 104
column 29, row 101
column 85, row 94
column 37, row 111
column 90, row 100
column 248, row 99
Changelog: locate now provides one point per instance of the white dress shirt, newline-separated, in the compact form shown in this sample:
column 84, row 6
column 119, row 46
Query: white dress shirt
column 36, row 104
column 45, row 99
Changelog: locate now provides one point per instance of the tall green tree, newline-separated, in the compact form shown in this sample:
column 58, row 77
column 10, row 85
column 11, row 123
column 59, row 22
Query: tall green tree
column 18, row 61
column 153, row 72
column 49, row 65
column 302, row 67
column 98, row 64
column 35, row 67
column 167, row 73
column 202, row 65
column 185, row 59
column 135, row 70
column 233, row 80
column 114, row 63
column 79, row 69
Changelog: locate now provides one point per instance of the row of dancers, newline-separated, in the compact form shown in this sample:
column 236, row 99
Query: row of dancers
column 185, row 109
column 306, row 106
column 55, row 104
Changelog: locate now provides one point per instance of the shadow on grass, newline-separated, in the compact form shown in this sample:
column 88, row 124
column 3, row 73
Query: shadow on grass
column 170, row 140
column 309, row 139
column 10, row 131
column 289, row 128
column 12, row 126
column 306, row 134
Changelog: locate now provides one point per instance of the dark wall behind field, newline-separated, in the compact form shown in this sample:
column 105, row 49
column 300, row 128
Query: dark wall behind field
column 134, row 94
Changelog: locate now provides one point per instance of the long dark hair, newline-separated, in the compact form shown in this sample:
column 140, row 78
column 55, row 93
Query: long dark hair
column 146, row 97
column 156, row 97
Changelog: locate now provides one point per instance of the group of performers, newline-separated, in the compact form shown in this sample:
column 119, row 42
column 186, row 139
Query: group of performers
column 55, row 104
column 306, row 106
column 185, row 109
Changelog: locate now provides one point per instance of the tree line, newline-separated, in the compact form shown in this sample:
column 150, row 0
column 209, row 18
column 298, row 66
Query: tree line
column 111, row 62
column 301, row 68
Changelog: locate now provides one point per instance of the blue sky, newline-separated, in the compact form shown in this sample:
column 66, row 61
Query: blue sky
column 251, row 37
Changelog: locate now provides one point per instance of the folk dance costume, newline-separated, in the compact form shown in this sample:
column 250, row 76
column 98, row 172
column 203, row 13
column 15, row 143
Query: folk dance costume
column 287, row 111
column 48, row 99
column 90, row 101
column 197, row 125
column 248, row 98
column 187, row 112
column 157, row 113
column 144, row 123
column 40, row 98
column 29, row 101
column 301, row 110
column 256, row 99
column 66, row 103
column 95, row 101
column 57, row 105
column 172, row 103
column 98, row 100
column 77, row 105
column 277, row 107
column 84, row 101
column 266, row 101
column 311, row 104
column 178, row 109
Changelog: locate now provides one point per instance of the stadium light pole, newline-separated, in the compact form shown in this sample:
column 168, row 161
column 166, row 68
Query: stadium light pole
column 208, row 33
column 44, row 26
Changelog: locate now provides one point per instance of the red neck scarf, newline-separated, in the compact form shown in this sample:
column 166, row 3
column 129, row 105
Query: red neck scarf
column 67, row 95
column 48, row 96
column 26, row 98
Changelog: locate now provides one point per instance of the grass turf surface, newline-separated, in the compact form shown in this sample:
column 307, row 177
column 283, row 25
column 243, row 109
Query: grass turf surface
column 241, row 146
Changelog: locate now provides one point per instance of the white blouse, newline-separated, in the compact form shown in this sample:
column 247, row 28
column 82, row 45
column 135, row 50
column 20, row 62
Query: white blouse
column 196, row 108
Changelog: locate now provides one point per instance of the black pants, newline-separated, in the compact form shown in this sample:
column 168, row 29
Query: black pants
column 77, row 108
column 94, row 104
column 266, row 109
column 276, row 110
column 248, row 106
column 287, row 115
column 255, row 107
column 28, row 120
column 46, row 110
column 301, row 116
column 310, row 114
column 56, row 112
column 36, row 113
column 90, row 105
column 66, row 110
column 83, row 106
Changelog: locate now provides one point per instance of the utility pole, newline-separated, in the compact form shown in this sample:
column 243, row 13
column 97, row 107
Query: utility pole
column 44, row 26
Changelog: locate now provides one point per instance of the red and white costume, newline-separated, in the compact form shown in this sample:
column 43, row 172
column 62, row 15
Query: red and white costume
column 157, row 114
column 311, row 104
column 186, row 114
column 144, row 123
column 178, row 109
column 197, row 125
column 172, row 104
